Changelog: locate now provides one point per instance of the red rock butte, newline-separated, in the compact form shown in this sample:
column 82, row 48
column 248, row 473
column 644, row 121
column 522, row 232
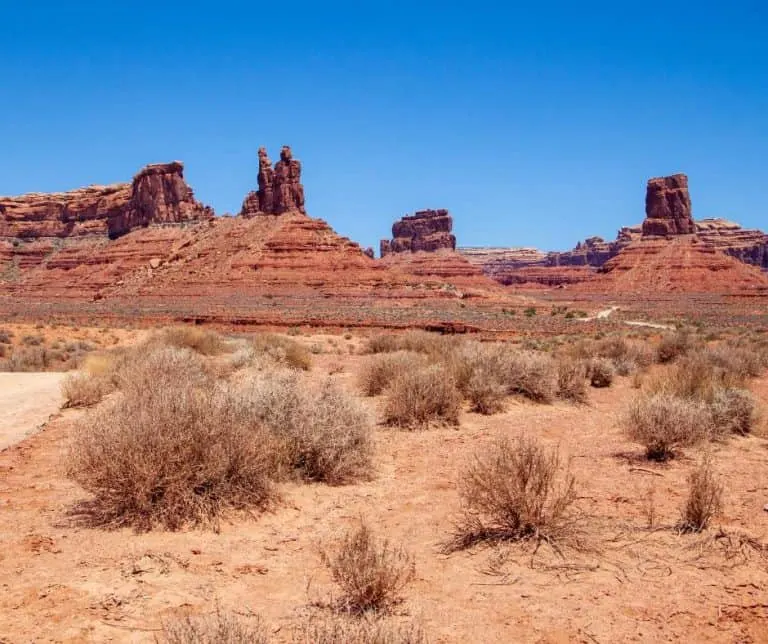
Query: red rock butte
column 151, row 244
column 699, row 261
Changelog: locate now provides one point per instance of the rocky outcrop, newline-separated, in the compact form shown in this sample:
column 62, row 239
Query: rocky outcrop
column 683, row 264
column 748, row 246
column 668, row 207
column 157, row 195
column 425, row 230
column 280, row 189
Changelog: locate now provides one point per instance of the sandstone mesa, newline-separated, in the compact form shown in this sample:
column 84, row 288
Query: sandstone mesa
column 152, row 238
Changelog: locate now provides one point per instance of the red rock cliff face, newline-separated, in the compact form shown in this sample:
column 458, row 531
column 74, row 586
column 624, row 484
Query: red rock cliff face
column 427, row 230
column 157, row 195
column 668, row 207
column 280, row 189
column 78, row 213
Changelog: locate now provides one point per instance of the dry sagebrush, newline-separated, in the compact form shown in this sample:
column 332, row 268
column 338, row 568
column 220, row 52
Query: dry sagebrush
column 704, row 500
column 381, row 369
column 172, row 449
column 517, row 490
column 371, row 573
column 219, row 628
column 319, row 433
column 367, row 629
column 572, row 380
column 663, row 423
column 417, row 398
column 177, row 446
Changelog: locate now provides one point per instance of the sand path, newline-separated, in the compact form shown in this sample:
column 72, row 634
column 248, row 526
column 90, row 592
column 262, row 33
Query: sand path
column 27, row 400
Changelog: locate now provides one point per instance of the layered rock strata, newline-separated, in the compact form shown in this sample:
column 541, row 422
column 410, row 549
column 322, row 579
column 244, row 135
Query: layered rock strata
column 425, row 230
column 668, row 207
column 158, row 194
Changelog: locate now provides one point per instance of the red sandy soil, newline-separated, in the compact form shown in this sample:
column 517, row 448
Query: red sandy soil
column 65, row 583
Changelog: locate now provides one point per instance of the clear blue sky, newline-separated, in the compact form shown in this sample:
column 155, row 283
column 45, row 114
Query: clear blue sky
column 535, row 123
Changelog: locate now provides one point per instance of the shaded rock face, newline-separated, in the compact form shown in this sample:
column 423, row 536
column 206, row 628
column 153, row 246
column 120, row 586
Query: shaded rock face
column 280, row 189
column 668, row 207
column 157, row 195
column 425, row 230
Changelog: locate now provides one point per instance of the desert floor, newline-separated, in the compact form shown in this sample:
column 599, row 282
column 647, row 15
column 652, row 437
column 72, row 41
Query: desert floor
column 633, row 578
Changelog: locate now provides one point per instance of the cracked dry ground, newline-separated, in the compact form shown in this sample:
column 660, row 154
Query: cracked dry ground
column 66, row 583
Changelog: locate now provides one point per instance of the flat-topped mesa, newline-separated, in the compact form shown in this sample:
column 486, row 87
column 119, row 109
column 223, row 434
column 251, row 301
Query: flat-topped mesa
column 157, row 195
column 425, row 230
column 668, row 207
column 280, row 189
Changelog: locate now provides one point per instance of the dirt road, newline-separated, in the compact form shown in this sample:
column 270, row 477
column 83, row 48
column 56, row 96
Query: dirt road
column 27, row 400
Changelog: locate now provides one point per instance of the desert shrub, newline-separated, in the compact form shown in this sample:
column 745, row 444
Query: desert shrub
column 366, row 629
column 531, row 374
column 600, row 372
column 84, row 390
column 219, row 628
column 382, row 343
column 175, row 448
column 283, row 350
column 2, row 352
column 741, row 363
column 416, row 398
column 320, row 434
column 32, row 340
column 663, row 423
column 381, row 369
column 413, row 340
column 485, row 392
column 613, row 347
column 517, row 490
column 5, row 336
column 34, row 358
column 693, row 377
column 673, row 345
column 371, row 573
column 202, row 341
column 704, row 500
column 572, row 380
column 733, row 412
column 479, row 372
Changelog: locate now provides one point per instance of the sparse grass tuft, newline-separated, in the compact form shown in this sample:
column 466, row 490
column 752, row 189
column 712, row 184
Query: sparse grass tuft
column 371, row 573
column 516, row 491
column 704, row 501
column 219, row 628
column 367, row 629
